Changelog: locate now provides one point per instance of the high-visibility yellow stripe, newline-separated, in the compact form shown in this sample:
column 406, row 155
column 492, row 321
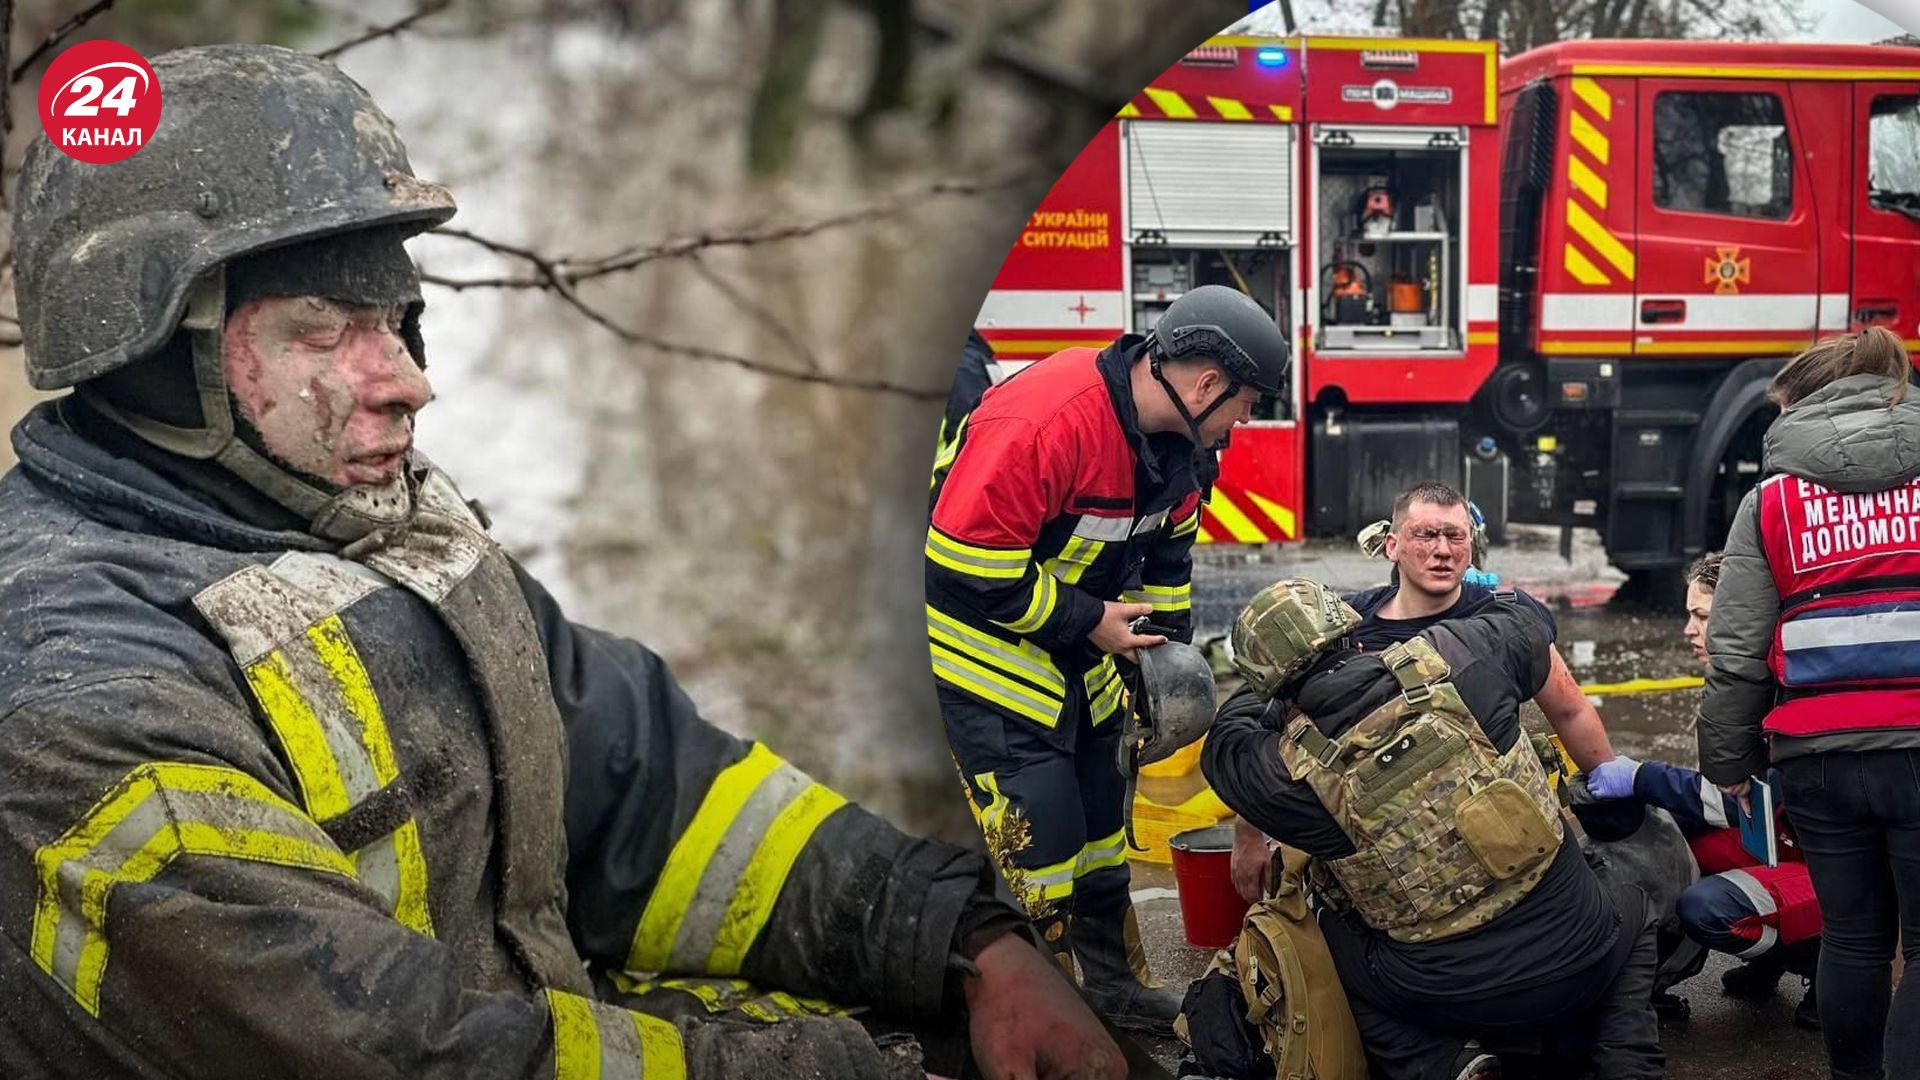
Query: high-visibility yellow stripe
column 1075, row 556
column 1187, row 527
column 1203, row 537
column 1129, row 110
column 1237, row 524
column 1039, row 606
column 1164, row 597
column 1419, row 45
column 1282, row 113
column 662, row 1054
column 1004, row 564
column 1586, row 180
column 576, row 1037
column 1723, row 348
column 1581, row 267
column 342, row 663
column 1584, row 348
column 1600, row 239
column 995, row 812
column 321, row 787
column 1596, row 98
column 261, row 827
column 1171, row 104
column 1229, row 109
column 1643, row 686
column 767, row 874
column 1018, row 659
column 1005, row 347
column 984, row 682
column 1738, row 71
column 1280, row 515
column 1588, row 136
column 1484, row 337
column 1101, row 854
column 680, row 876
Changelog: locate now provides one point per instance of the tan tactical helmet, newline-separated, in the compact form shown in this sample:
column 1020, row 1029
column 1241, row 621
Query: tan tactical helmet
column 1284, row 627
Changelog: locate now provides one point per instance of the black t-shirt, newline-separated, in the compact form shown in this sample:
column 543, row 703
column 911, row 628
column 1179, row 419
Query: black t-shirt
column 1376, row 633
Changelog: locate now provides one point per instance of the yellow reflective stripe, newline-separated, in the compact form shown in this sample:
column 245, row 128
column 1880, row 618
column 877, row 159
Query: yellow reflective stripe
column 1015, row 658
column 1170, row 103
column 766, row 875
column 157, row 813
column 1237, row 524
column 1587, row 181
column 1053, row 881
column 1163, row 597
column 322, row 788
column 1075, row 556
column 342, row 662
column 1188, row 526
column 1588, row 136
column 679, row 878
column 995, row 812
column 596, row 1041
column 1129, row 110
column 1039, row 606
column 1105, row 692
column 1582, row 268
column 1229, row 109
column 977, row 561
column 1602, row 241
column 576, row 1038
column 662, row 1055
column 1101, row 855
column 982, row 682
column 1597, row 99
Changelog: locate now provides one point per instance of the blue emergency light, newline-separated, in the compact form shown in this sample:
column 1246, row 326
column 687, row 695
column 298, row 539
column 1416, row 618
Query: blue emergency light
column 1270, row 57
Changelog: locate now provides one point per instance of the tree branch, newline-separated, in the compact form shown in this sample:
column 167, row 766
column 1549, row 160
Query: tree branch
column 421, row 10
column 59, row 34
column 757, row 312
column 554, row 281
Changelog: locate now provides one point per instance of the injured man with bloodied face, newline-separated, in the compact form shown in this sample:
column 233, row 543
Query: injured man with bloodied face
column 1364, row 761
column 290, row 745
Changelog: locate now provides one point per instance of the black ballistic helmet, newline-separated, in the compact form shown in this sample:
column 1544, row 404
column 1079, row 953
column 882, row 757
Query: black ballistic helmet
column 1225, row 325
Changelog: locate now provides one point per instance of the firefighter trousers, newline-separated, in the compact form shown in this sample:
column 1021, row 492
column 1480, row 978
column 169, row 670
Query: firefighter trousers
column 1053, row 815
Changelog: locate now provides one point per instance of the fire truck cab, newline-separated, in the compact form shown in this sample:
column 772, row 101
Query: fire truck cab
column 1560, row 284
column 1679, row 219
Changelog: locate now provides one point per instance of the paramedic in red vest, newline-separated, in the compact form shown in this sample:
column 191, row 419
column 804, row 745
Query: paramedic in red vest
column 1814, row 646
column 1064, row 510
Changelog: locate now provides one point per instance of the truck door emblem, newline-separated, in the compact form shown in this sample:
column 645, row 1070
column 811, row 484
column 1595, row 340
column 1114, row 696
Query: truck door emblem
column 1727, row 271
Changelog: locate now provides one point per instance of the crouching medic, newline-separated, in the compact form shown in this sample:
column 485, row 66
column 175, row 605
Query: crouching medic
column 1460, row 917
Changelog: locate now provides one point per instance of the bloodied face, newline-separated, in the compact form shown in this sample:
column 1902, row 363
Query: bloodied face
column 1433, row 546
column 330, row 387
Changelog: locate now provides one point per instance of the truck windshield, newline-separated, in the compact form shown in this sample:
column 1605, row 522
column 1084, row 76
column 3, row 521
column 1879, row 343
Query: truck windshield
column 1893, row 171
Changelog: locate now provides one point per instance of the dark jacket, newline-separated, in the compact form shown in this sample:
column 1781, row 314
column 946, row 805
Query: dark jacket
column 189, row 885
column 1842, row 437
column 1566, row 922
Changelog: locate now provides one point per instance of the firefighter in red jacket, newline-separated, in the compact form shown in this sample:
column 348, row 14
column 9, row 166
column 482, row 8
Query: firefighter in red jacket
column 1064, row 510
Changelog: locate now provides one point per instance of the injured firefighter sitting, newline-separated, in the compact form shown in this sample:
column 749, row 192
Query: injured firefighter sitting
column 1461, row 918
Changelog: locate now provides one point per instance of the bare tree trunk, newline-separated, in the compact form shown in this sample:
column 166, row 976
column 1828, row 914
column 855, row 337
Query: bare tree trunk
column 1490, row 20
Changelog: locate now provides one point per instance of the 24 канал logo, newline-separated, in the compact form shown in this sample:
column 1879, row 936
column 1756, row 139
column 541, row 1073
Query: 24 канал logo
column 99, row 102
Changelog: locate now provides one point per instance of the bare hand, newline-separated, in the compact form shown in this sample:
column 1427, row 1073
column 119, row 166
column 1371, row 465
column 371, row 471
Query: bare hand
column 1740, row 793
column 1025, row 1022
column 1252, row 862
column 1115, row 632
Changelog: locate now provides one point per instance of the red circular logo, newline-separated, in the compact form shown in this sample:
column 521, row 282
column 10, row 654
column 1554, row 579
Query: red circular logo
column 99, row 102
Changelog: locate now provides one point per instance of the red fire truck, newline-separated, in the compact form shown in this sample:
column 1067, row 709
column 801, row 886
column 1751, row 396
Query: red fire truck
column 1560, row 282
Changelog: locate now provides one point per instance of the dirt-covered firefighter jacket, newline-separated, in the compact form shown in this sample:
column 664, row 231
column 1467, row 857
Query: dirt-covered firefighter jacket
column 268, row 811
column 1049, row 502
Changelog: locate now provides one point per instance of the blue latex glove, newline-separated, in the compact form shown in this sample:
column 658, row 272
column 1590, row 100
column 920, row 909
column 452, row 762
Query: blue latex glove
column 1613, row 779
column 1475, row 576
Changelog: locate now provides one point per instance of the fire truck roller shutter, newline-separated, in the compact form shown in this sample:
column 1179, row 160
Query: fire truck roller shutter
column 1201, row 184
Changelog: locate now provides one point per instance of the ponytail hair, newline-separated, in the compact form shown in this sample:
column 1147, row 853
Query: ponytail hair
column 1873, row 351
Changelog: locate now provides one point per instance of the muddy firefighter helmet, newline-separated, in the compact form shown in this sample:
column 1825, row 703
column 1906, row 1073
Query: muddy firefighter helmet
column 257, row 147
column 1284, row 627
column 1174, row 704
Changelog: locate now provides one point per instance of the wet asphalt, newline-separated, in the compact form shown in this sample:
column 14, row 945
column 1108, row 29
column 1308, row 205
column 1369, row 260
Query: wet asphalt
column 1604, row 643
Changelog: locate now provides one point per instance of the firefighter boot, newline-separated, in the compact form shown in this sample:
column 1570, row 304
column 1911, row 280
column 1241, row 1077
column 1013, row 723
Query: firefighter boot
column 1113, row 968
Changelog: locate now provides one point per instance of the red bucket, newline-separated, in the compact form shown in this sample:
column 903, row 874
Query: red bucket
column 1202, row 874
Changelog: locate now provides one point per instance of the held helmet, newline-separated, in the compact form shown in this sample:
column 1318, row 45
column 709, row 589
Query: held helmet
column 257, row 147
column 1284, row 627
column 1173, row 706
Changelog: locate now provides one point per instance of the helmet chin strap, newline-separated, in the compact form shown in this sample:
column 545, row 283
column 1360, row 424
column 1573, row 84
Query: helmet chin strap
column 344, row 516
column 1193, row 422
